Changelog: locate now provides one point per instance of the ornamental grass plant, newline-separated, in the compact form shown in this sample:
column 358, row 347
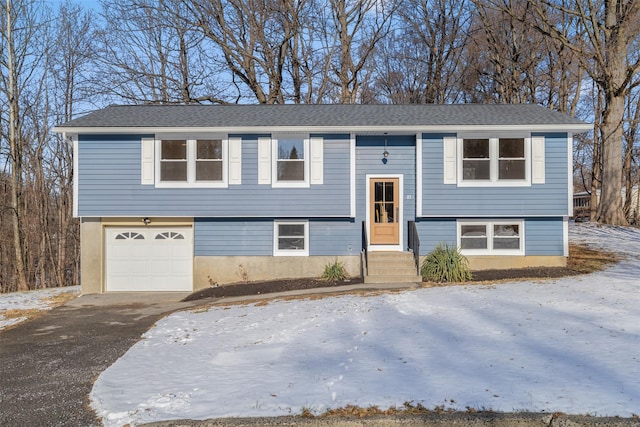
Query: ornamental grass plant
column 445, row 264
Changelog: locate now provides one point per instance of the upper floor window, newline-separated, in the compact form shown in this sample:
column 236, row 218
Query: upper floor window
column 291, row 157
column 494, row 161
column 191, row 162
column 173, row 163
column 290, row 162
column 511, row 159
column 209, row 160
column 476, row 161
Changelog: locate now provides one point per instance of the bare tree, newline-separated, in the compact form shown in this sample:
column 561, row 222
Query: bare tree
column 610, row 31
column 253, row 39
column 22, row 53
column 350, row 32
column 151, row 55
column 631, row 157
column 420, row 61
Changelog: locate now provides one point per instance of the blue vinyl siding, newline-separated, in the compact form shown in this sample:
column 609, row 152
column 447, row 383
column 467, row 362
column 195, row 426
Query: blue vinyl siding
column 109, row 185
column 334, row 237
column 401, row 161
column 254, row 237
column 226, row 237
column 439, row 199
column 543, row 236
column 436, row 230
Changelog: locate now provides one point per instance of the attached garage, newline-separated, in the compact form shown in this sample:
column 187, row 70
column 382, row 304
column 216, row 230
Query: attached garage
column 142, row 259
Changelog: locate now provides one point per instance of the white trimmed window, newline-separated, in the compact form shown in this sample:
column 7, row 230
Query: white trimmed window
column 291, row 238
column 290, row 162
column 491, row 237
column 494, row 161
column 191, row 163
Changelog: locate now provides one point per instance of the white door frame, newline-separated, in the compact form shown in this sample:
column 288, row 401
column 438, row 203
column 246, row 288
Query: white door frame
column 399, row 247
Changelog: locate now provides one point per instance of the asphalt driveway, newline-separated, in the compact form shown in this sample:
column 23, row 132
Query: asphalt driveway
column 48, row 365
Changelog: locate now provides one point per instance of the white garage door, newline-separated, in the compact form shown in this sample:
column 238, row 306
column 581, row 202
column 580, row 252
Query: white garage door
column 149, row 259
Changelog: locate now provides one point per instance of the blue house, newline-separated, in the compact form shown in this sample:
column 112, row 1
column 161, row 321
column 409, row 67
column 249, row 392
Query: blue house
column 179, row 198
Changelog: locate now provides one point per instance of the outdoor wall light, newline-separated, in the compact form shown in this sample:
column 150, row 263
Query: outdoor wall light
column 146, row 221
column 385, row 153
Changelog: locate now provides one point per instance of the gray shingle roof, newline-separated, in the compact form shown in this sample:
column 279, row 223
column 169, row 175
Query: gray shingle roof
column 243, row 116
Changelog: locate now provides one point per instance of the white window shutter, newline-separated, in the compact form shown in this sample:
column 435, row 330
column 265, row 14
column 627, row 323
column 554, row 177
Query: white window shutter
column 537, row 160
column 264, row 160
column 235, row 161
column 317, row 156
column 449, row 156
column 148, row 161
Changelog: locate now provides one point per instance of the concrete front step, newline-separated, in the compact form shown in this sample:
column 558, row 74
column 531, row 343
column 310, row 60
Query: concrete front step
column 392, row 270
column 391, row 267
column 393, row 279
column 389, row 256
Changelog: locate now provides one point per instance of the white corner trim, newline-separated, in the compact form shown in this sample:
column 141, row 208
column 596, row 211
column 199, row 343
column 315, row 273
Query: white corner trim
column 565, row 236
column 76, row 177
column 352, row 174
column 570, row 174
column 419, row 175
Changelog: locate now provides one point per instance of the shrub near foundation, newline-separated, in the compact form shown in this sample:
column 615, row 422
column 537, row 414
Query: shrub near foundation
column 445, row 264
column 334, row 272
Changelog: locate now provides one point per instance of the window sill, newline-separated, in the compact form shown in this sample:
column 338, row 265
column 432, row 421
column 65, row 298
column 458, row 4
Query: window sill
column 290, row 184
column 511, row 183
column 485, row 252
column 191, row 185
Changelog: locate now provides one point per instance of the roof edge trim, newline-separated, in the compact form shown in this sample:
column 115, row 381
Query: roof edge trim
column 568, row 127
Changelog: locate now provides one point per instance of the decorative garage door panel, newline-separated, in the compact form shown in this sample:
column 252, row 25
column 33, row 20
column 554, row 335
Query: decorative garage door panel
column 149, row 259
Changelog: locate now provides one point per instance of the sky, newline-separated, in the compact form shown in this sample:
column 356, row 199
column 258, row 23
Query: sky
column 568, row 345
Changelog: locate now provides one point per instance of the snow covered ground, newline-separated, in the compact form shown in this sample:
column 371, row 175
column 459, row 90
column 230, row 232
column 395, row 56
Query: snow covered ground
column 569, row 345
column 31, row 300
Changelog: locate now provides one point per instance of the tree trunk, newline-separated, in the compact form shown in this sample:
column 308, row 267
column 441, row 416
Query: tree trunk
column 610, row 207
column 15, row 154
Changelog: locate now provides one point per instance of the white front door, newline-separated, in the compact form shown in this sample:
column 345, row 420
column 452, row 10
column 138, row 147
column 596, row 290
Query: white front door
column 148, row 259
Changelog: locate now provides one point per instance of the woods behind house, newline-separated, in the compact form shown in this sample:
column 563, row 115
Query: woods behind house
column 59, row 61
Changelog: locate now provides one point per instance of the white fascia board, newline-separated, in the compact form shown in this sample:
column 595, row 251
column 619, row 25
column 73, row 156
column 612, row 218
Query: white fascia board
column 331, row 129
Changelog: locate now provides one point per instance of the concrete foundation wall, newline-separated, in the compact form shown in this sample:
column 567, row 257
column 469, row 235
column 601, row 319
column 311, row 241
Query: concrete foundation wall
column 221, row 270
column 490, row 262
column 91, row 255
column 501, row 262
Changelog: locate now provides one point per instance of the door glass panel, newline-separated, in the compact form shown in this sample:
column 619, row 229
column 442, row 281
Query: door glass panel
column 379, row 192
column 384, row 204
column 390, row 212
column 388, row 191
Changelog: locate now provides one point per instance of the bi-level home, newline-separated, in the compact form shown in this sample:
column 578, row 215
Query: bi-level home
column 179, row 198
